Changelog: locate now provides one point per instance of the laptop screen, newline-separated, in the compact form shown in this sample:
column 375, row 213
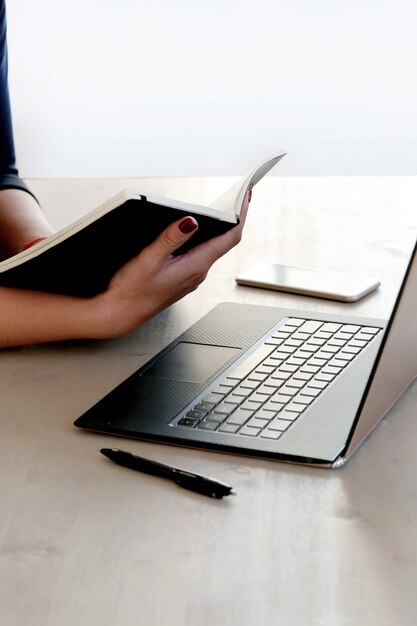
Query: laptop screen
column 396, row 364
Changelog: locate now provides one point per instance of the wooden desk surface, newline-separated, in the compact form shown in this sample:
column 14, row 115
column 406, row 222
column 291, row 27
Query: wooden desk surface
column 84, row 542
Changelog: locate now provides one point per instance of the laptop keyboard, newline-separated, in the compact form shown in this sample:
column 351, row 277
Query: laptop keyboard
column 269, row 390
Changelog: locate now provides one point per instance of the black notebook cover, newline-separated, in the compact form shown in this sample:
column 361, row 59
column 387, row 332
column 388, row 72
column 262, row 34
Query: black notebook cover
column 84, row 264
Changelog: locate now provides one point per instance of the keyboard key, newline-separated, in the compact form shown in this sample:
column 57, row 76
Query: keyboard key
column 213, row 398
column 310, row 391
column 305, row 376
column 288, row 416
column 228, row 382
column 276, row 406
column 283, row 398
column 286, row 350
column 331, row 369
column 270, row 434
column 318, row 384
column 297, row 384
column 257, row 376
column 305, row 400
column 361, row 336
column 228, row 428
column 317, row 341
column 301, row 336
column 287, row 328
column 339, row 343
column 208, row 425
column 348, row 348
column 296, row 360
column 235, row 399
column 350, row 328
column 302, row 355
column 342, row 335
column 295, row 407
column 295, row 342
column 248, row 405
column 337, row 363
column 225, row 408
column 257, row 397
column 330, row 349
column 285, row 390
column 249, row 431
column 289, row 368
column 327, row 378
column 250, row 384
column 264, row 369
column 309, row 346
column 187, row 421
column 280, row 375
column 280, row 424
column 240, row 416
column 323, row 355
column 265, row 390
column 310, row 326
column 295, row 321
column 282, row 335
column 358, row 343
column 345, row 356
column 317, row 362
column 204, row 406
column 197, row 414
column 370, row 330
column 310, row 369
column 272, row 362
column 274, row 341
column 330, row 327
column 257, row 423
column 278, row 356
column 240, row 392
column 276, row 383
column 267, row 415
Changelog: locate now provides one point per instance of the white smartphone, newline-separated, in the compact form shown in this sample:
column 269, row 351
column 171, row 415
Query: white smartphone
column 308, row 281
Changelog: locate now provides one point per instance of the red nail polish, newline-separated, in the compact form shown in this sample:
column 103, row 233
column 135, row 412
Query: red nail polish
column 31, row 243
column 187, row 225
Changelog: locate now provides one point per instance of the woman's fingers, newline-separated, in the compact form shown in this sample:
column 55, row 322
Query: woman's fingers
column 171, row 238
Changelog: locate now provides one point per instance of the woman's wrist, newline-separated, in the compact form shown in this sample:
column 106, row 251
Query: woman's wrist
column 112, row 317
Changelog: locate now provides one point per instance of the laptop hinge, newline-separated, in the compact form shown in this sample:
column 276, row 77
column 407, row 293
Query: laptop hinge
column 339, row 462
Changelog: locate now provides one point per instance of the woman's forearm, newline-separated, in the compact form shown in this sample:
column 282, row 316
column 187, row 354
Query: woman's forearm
column 28, row 317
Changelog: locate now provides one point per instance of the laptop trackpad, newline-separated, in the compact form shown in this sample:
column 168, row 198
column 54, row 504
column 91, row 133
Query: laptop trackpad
column 193, row 362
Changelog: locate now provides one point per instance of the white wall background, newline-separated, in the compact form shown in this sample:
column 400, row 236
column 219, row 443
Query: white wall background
column 191, row 87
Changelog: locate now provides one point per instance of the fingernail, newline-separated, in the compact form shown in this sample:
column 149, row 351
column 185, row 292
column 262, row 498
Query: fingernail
column 32, row 242
column 187, row 225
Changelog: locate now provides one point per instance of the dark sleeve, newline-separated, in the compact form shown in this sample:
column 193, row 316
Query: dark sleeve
column 9, row 176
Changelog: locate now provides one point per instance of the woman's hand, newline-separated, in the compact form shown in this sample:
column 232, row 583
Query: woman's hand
column 156, row 279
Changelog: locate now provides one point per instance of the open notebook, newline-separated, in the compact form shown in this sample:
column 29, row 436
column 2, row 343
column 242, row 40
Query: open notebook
column 81, row 258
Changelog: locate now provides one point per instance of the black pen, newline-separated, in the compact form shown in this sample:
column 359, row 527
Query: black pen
column 193, row 482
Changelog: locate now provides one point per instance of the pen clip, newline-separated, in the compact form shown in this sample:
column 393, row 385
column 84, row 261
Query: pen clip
column 204, row 485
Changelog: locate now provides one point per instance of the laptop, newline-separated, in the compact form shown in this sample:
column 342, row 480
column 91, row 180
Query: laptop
column 274, row 383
